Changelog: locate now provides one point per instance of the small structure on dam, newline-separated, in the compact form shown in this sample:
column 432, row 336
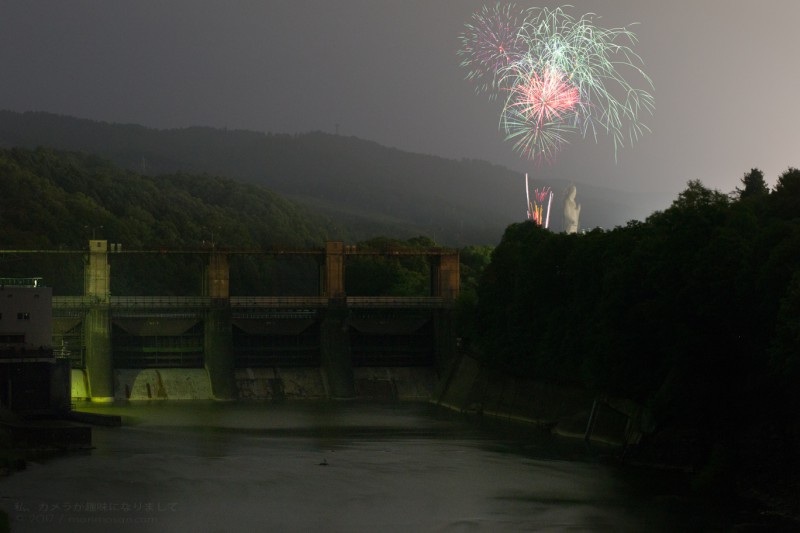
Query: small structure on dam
column 34, row 383
column 32, row 379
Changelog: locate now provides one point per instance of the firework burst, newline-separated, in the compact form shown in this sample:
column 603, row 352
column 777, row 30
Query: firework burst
column 558, row 74
column 490, row 43
column 544, row 98
column 593, row 59
column 540, row 110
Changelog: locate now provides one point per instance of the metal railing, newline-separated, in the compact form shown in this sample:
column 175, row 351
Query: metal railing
column 160, row 302
column 255, row 302
column 73, row 302
column 396, row 301
column 292, row 302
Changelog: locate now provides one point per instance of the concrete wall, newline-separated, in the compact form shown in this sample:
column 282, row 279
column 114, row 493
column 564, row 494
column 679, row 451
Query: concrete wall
column 380, row 383
column 79, row 384
column 377, row 383
column 393, row 383
column 162, row 384
column 35, row 386
column 565, row 411
column 280, row 383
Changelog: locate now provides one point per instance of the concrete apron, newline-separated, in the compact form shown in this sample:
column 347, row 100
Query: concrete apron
column 376, row 383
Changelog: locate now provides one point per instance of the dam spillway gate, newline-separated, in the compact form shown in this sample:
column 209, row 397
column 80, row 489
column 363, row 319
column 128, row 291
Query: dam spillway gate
column 232, row 338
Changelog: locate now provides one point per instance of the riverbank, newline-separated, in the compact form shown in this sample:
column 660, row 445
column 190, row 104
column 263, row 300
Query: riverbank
column 631, row 432
column 570, row 412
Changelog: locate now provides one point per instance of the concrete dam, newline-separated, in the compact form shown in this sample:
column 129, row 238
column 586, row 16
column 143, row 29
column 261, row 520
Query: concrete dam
column 218, row 346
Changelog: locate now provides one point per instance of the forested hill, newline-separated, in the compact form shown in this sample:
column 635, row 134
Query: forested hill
column 368, row 188
column 51, row 199
column 693, row 313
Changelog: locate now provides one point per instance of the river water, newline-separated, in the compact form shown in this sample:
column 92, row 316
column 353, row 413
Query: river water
column 332, row 466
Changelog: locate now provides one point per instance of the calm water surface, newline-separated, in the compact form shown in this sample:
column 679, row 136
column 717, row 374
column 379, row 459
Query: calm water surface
column 214, row 467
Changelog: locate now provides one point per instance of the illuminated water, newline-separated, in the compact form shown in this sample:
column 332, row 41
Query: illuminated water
column 326, row 467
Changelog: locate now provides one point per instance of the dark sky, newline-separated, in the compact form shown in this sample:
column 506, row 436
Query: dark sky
column 726, row 76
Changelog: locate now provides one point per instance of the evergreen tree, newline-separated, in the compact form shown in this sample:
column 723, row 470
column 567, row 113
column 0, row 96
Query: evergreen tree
column 754, row 185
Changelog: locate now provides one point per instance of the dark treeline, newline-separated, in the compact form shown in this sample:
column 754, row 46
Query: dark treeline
column 694, row 313
column 389, row 276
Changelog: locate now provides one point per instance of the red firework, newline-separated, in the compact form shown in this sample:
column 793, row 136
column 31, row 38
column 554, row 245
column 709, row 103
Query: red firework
column 544, row 99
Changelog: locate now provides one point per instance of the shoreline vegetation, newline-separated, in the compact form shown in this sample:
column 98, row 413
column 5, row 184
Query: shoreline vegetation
column 692, row 314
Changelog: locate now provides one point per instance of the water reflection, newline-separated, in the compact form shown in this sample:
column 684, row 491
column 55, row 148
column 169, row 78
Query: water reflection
column 399, row 467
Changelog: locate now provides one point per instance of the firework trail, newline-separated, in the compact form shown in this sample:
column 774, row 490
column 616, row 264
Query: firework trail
column 538, row 212
column 539, row 208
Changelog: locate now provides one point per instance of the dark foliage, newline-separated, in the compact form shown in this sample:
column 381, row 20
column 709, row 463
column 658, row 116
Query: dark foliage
column 55, row 200
column 694, row 312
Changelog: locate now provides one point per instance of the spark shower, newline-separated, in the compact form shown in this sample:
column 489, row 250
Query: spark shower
column 556, row 75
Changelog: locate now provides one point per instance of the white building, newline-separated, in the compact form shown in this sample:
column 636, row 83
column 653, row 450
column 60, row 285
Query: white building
column 26, row 318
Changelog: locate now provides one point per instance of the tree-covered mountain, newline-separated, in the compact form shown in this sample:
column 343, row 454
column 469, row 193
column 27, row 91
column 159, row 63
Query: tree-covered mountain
column 49, row 198
column 59, row 200
column 367, row 188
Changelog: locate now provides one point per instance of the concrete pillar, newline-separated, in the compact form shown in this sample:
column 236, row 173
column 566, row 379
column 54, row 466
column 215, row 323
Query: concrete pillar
column 218, row 276
column 97, row 274
column 334, row 269
column 335, row 352
column 99, row 366
column 60, row 386
column 218, row 329
column 97, row 323
column 218, row 350
column 444, row 339
column 445, row 276
column 445, row 283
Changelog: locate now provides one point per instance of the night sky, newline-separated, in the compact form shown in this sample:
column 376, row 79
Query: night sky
column 726, row 77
